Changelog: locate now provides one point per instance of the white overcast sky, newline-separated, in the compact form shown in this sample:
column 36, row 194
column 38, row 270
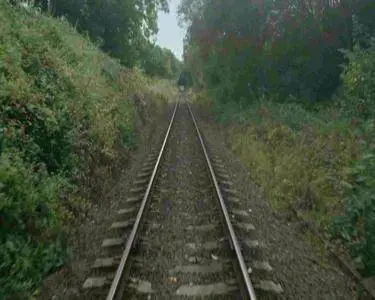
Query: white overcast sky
column 170, row 35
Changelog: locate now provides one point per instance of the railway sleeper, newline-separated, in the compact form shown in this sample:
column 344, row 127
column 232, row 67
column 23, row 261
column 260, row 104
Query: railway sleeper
column 238, row 213
column 149, row 163
column 98, row 282
column 141, row 181
column 206, row 290
column 123, row 224
column 138, row 190
column 147, row 168
column 161, row 191
column 251, row 245
column 151, row 159
column 113, row 242
column 204, row 260
column 222, row 175
column 231, row 192
column 106, row 263
column 126, row 211
column 260, row 269
column 200, row 228
column 217, row 160
column 227, row 183
column 219, row 170
column 141, row 286
column 143, row 174
column 233, row 200
column 133, row 200
column 220, row 166
column 213, row 267
column 268, row 286
column 247, row 227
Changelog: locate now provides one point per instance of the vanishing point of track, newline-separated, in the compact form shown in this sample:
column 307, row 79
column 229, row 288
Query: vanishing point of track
column 219, row 187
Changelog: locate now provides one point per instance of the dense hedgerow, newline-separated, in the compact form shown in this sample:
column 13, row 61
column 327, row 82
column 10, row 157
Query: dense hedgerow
column 63, row 105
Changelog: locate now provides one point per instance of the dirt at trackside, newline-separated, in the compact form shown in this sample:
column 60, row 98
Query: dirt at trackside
column 87, row 237
column 303, row 271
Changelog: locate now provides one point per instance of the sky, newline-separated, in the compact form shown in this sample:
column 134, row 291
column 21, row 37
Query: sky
column 170, row 35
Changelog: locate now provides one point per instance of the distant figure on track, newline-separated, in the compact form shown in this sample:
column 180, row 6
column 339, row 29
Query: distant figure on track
column 182, row 81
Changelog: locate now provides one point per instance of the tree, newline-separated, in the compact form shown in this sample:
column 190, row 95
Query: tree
column 122, row 26
column 285, row 47
column 157, row 61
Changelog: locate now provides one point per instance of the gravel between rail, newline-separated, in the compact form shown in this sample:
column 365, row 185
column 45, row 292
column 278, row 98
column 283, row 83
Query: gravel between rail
column 298, row 267
column 183, row 197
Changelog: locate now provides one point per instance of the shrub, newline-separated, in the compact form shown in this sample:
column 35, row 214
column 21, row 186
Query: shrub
column 303, row 168
column 359, row 83
column 63, row 106
column 33, row 243
column 356, row 227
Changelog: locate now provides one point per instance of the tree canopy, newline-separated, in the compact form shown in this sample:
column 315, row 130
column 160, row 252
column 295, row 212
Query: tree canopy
column 281, row 47
column 123, row 28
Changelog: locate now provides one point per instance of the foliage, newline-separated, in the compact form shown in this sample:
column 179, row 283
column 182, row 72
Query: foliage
column 356, row 227
column 298, row 160
column 33, row 243
column 275, row 47
column 160, row 62
column 64, row 107
column 123, row 26
column 359, row 83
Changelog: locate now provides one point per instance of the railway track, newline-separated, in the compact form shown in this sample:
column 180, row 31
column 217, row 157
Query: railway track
column 180, row 235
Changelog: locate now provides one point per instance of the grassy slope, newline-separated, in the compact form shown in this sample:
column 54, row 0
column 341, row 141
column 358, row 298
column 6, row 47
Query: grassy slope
column 64, row 106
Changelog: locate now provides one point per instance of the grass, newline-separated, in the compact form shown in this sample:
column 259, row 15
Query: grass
column 304, row 168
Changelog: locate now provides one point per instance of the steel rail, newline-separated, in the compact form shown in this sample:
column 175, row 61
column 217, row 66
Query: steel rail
column 249, row 289
column 132, row 238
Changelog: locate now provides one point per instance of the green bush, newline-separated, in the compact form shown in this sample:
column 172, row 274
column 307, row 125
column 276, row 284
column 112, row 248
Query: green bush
column 30, row 234
column 356, row 227
column 359, row 82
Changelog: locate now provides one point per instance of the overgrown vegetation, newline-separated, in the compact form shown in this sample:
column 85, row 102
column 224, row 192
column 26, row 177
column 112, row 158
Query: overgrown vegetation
column 64, row 108
column 294, row 82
